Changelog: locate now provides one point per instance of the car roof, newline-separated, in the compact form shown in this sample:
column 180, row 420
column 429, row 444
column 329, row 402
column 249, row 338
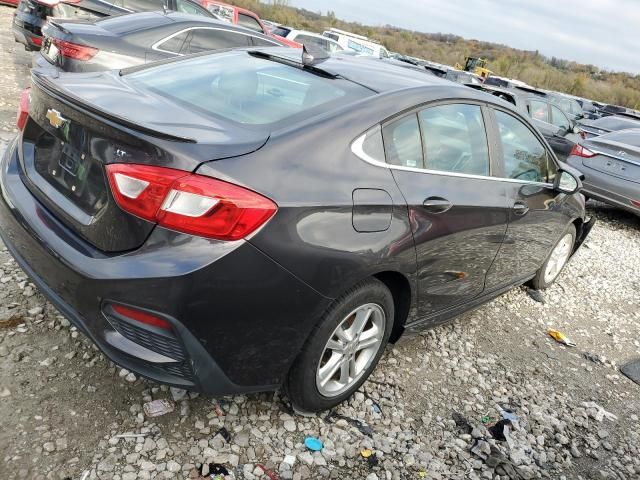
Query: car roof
column 371, row 72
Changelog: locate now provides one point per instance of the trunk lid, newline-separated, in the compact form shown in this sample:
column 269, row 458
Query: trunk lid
column 69, row 138
column 614, row 158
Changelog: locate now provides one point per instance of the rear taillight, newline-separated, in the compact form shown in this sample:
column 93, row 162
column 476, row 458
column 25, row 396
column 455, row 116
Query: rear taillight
column 189, row 203
column 23, row 109
column 74, row 50
column 580, row 151
column 635, row 203
column 141, row 316
column 36, row 41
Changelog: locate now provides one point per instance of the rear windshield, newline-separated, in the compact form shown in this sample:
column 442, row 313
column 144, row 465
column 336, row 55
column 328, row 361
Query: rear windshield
column 248, row 90
column 615, row 123
column 628, row 137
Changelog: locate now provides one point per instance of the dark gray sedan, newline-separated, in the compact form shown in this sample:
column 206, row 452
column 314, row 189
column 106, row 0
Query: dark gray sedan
column 612, row 123
column 611, row 166
column 128, row 40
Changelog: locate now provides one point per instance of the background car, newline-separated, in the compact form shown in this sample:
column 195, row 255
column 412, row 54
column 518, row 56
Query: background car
column 558, row 130
column 606, row 124
column 32, row 15
column 193, row 167
column 11, row 3
column 304, row 37
column 137, row 38
column 243, row 18
column 610, row 164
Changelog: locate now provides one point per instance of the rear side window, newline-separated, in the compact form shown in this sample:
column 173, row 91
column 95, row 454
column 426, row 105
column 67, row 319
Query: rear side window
column 281, row 31
column 175, row 44
column 402, row 143
column 525, row 157
column 358, row 47
column 204, row 39
column 245, row 89
column 454, row 139
column 559, row 119
column 249, row 22
column 539, row 110
column 310, row 40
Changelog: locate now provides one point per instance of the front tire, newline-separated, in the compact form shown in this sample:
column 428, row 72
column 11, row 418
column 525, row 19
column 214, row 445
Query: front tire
column 556, row 261
column 343, row 349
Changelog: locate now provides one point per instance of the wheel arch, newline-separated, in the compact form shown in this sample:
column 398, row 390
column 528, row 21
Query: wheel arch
column 400, row 288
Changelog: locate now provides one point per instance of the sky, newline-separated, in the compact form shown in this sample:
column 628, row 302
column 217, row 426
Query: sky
column 599, row 32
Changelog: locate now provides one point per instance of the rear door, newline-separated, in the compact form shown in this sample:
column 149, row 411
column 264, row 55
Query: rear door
column 535, row 208
column 440, row 159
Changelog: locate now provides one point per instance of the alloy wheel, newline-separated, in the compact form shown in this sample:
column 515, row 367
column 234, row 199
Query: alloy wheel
column 558, row 258
column 350, row 349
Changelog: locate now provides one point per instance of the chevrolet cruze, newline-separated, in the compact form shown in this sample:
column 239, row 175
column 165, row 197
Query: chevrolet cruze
column 255, row 219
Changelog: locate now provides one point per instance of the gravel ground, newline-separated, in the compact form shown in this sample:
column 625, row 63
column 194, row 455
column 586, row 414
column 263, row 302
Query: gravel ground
column 431, row 410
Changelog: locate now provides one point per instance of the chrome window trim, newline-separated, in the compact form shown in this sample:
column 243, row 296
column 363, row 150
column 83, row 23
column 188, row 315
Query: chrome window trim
column 156, row 45
column 358, row 151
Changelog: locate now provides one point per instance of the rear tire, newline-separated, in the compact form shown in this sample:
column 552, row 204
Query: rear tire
column 353, row 332
column 556, row 261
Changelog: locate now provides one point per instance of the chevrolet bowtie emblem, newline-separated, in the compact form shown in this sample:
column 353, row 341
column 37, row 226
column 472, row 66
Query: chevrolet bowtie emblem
column 55, row 119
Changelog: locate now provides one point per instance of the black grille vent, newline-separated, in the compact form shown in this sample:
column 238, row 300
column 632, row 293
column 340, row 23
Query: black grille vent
column 168, row 346
column 182, row 369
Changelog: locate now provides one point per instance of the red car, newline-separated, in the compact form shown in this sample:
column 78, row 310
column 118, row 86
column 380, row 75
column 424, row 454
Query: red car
column 12, row 3
column 243, row 17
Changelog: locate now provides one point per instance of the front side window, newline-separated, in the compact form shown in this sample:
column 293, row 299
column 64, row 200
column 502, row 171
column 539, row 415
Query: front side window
column 525, row 157
column 402, row 143
column 559, row 119
column 248, row 21
column 455, row 139
column 205, row 39
column 539, row 110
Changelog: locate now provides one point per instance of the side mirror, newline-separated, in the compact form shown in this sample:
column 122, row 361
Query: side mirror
column 567, row 182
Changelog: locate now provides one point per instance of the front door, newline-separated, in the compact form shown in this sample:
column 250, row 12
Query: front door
column 536, row 217
column 457, row 211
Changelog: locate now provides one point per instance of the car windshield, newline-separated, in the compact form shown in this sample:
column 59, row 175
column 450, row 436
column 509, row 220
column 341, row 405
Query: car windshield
column 245, row 89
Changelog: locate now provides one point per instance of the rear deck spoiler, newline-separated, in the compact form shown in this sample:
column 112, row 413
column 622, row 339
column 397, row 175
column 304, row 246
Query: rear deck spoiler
column 45, row 82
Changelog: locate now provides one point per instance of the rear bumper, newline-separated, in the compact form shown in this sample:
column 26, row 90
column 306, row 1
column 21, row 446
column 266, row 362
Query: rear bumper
column 222, row 344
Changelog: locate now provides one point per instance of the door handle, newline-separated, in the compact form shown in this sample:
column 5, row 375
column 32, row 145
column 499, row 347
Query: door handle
column 437, row 204
column 520, row 208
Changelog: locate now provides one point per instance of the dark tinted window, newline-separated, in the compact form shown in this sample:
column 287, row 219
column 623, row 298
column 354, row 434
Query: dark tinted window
column 559, row 119
column 175, row 44
column 402, row 142
column 454, row 139
column 204, row 39
column 236, row 86
column 281, row 31
column 249, row 22
column 496, row 81
column 525, row 158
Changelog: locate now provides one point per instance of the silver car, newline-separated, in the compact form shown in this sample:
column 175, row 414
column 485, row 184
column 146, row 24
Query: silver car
column 611, row 166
